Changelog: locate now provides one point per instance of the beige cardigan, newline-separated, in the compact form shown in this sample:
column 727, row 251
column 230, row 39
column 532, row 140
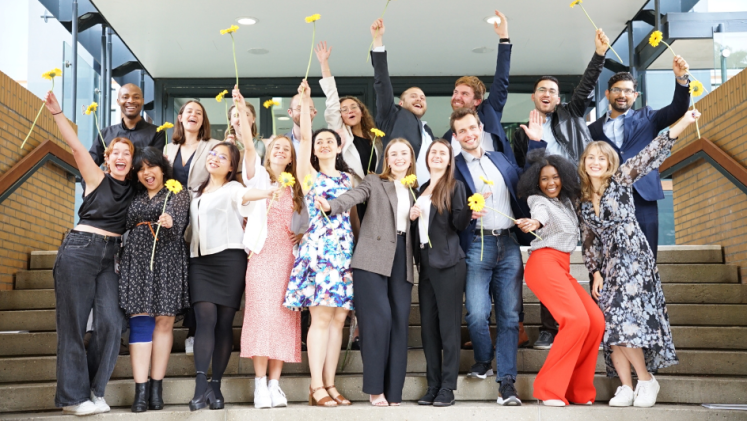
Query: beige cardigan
column 197, row 171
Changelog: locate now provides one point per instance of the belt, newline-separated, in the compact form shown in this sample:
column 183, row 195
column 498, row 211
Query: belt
column 494, row 233
column 401, row 233
column 116, row 238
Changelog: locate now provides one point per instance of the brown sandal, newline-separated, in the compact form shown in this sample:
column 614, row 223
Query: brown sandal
column 341, row 400
column 326, row 401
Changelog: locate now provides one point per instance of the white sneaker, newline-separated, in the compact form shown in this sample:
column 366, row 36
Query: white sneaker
column 646, row 392
column 277, row 396
column 189, row 345
column 553, row 402
column 85, row 408
column 623, row 397
column 100, row 403
column 262, row 397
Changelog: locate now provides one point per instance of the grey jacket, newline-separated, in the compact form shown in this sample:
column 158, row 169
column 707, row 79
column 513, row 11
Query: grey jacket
column 377, row 241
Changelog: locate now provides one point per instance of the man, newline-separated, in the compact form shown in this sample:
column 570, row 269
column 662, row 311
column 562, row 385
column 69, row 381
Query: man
column 294, row 112
column 469, row 92
column 402, row 120
column 628, row 131
column 133, row 127
column 494, row 264
column 564, row 133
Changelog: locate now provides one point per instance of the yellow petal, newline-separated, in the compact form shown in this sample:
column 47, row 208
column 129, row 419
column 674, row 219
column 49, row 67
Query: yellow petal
column 655, row 38
column 575, row 2
column 313, row 18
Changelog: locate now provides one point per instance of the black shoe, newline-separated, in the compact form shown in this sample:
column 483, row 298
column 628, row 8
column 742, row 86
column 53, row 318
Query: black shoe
column 481, row 370
column 429, row 397
column 508, row 395
column 219, row 402
column 356, row 345
column 544, row 341
column 140, row 403
column 445, row 398
column 156, row 395
column 206, row 398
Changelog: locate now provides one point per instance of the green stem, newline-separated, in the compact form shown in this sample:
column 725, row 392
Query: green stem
column 235, row 65
column 155, row 239
column 166, row 141
column 595, row 27
column 32, row 126
column 415, row 199
column 96, row 120
column 373, row 145
column 496, row 210
column 368, row 53
column 482, row 239
column 688, row 72
column 697, row 127
column 274, row 124
column 311, row 53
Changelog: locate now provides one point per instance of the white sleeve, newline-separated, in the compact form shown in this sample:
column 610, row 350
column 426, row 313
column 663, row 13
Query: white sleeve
column 379, row 49
column 261, row 179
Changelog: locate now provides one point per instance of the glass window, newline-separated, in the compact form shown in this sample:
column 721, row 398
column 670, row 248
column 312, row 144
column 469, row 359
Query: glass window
column 217, row 113
column 729, row 53
column 283, row 121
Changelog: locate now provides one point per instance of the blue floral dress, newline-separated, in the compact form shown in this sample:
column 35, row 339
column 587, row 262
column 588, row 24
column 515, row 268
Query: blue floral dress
column 321, row 274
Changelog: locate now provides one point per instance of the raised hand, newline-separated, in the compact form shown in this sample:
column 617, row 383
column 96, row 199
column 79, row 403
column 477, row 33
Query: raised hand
column 238, row 99
column 686, row 120
column 502, row 28
column 377, row 32
column 50, row 101
column 304, row 89
column 534, row 131
column 680, row 66
column 323, row 52
column 601, row 42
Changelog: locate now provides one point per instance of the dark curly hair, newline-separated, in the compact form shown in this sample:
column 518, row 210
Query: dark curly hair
column 151, row 157
column 529, row 182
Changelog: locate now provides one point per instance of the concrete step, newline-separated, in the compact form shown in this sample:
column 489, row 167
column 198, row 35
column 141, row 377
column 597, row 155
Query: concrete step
column 28, row 299
column 42, row 259
column 41, row 369
column 34, row 279
column 666, row 254
column 240, row 389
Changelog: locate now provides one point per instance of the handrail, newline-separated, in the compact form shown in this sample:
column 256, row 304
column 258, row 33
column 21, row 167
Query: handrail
column 710, row 152
column 29, row 164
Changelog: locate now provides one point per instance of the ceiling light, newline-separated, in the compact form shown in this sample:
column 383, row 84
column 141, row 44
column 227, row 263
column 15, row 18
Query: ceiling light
column 492, row 20
column 482, row 50
column 283, row 118
column 247, row 20
column 258, row 51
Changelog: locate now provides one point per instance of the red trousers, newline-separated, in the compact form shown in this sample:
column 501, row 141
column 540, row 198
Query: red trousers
column 568, row 372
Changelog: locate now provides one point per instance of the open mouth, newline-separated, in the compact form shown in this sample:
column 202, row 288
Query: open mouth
column 545, row 101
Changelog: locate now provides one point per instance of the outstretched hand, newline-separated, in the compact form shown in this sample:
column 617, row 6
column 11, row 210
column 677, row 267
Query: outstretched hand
column 238, row 99
column 322, row 51
column 689, row 118
column 502, row 28
column 534, row 131
column 50, row 101
column 601, row 42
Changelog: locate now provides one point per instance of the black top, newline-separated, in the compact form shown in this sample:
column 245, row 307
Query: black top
column 181, row 172
column 144, row 134
column 363, row 146
column 106, row 207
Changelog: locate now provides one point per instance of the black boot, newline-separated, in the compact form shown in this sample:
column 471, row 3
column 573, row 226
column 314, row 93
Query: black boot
column 218, row 403
column 201, row 400
column 140, row 404
column 156, row 394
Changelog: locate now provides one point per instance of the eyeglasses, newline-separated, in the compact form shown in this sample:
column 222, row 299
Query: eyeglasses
column 626, row 92
column 218, row 155
column 311, row 110
column 351, row 108
column 543, row 91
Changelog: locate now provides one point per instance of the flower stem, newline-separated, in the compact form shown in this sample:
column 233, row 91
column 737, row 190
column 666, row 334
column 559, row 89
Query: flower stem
column 373, row 145
column 32, row 126
column 235, row 64
column 495, row 210
column 96, row 120
column 415, row 199
column 482, row 239
column 311, row 53
column 368, row 53
column 595, row 28
column 688, row 72
column 272, row 114
column 155, row 239
column 697, row 127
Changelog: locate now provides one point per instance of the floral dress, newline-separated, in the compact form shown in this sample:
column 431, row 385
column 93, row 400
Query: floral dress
column 632, row 300
column 321, row 274
column 163, row 291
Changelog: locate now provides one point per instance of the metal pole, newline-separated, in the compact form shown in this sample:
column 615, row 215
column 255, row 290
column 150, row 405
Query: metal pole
column 142, row 89
column 103, row 84
column 74, row 87
column 108, row 76
column 631, row 50
column 657, row 17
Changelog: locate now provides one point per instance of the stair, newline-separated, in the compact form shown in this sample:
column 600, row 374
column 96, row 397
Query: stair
column 707, row 307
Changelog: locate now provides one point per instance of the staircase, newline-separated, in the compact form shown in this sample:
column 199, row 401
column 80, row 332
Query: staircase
column 707, row 308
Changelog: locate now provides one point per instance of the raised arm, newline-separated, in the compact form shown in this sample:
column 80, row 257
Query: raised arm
column 332, row 114
column 499, row 88
column 250, row 152
column 582, row 95
column 90, row 172
column 303, row 166
column 382, row 83
column 668, row 115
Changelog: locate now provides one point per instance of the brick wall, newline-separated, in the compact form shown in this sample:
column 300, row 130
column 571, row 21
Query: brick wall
column 708, row 208
column 36, row 215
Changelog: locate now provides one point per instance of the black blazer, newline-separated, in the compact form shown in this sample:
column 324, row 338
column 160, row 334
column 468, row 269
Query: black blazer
column 443, row 230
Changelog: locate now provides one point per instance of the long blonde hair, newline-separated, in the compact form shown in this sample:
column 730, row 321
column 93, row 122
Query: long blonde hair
column 386, row 174
column 587, row 189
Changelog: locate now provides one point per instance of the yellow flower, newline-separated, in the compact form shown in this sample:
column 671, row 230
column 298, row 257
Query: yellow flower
column 409, row 181
column 92, row 108
column 655, row 38
column 165, row 126
column 308, row 182
column 286, row 179
column 229, row 30
column 174, row 186
column 476, row 202
column 696, row 88
column 270, row 102
column 313, row 18
column 377, row 132
column 52, row 74
column 220, row 96
column 575, row 2
column 486, row 181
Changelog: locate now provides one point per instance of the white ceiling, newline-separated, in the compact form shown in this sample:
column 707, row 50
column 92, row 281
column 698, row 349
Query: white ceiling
column 181, row 38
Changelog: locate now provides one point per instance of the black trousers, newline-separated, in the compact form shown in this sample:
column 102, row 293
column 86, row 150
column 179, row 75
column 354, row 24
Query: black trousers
column 647, row 215
column 382, row 305
column 441, row 293
column 548, row 322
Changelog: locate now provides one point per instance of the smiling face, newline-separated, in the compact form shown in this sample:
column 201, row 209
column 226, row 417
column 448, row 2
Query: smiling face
column 413, row 100
column 218, row 161
column 130, row 100
column 280, row 152
column 351, row 112
column 546, row 96
column 398, row 158
column 119, row 160
column 596, row 162
column 468, row 132
column 549, row 182
column 464, row 97
column 191, row 117
column 439, row 157
column 295, row 110
column 151, row 177
column 325, row 146
column 622, row 96
column 236, row 121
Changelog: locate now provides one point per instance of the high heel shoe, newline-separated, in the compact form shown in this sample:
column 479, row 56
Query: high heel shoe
column 341, row 400
column 156, row 395
column 140, row 403
column 207, row 398
column 219, row 402
column 325, row 401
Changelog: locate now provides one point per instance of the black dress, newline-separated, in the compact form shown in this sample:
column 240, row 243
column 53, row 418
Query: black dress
column 163, row 291
column 363, row 146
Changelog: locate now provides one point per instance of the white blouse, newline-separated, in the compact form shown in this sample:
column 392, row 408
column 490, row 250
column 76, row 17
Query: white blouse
column 217, row 218
column 424, row 202
column 403, row 205
column 255, row 233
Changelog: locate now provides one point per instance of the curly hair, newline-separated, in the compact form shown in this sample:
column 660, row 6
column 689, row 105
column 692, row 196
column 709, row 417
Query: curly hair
column 539, row 159
column 367, row 121
column 152, row 157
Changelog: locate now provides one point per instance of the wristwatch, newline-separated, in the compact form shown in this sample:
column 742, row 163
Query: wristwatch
column 684, row 78
column 508, row 40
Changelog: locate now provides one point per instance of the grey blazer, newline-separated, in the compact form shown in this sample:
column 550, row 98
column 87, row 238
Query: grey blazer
column 377, row 241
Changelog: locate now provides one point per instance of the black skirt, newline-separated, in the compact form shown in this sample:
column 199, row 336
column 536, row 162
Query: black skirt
column 218, row 278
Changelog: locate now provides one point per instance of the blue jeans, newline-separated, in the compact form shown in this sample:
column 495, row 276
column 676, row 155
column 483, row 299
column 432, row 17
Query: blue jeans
column 498, row 277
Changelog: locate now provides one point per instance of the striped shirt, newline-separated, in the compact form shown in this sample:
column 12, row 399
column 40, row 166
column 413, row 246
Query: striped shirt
column 559, row 223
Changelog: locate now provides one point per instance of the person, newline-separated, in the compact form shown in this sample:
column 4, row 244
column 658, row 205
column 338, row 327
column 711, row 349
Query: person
column 321, row 279
column 234, row 133
column 494, row 263
column 469, row 92
column 628, row 131
column 626, row 281
column 217, row 267
column 271, row 334
column 294, row 112
column 132, row 127
column 442, row 212
column 383, row 272
column 152, row 295
column 551, row 187
column 405, row 119
column 84, row 273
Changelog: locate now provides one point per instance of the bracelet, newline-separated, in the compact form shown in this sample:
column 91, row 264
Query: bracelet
column 57, row 113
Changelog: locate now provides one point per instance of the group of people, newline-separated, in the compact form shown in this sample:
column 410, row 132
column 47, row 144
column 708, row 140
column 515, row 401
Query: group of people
column 339, row 219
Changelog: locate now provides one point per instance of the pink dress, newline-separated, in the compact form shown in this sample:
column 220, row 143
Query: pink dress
column 271, row 330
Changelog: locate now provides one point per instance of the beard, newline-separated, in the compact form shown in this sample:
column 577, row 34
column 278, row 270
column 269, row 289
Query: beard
column 618, row 108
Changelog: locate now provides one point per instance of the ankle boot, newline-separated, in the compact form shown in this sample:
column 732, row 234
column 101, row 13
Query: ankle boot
column 156, row 395
column 140, row 403
column 218, row 403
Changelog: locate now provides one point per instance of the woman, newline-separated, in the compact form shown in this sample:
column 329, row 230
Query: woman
column 442, row 211
column 235, row 134
column 85, row 277
column 217, row 267
column 618, row 256
column 321, row 278
column 552, row 188
column 382, row 272
column 152, row 297
column 271, row 333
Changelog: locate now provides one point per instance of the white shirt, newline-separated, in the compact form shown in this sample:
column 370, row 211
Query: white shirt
column 424, row 202
column 217, row 219
column 421, row 169
column 403, row 206
column 487, row 142
column 500, row 199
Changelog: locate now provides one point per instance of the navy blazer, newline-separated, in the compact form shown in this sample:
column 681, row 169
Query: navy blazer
column 641, row 127
column 510, row 172
column 491, row 109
